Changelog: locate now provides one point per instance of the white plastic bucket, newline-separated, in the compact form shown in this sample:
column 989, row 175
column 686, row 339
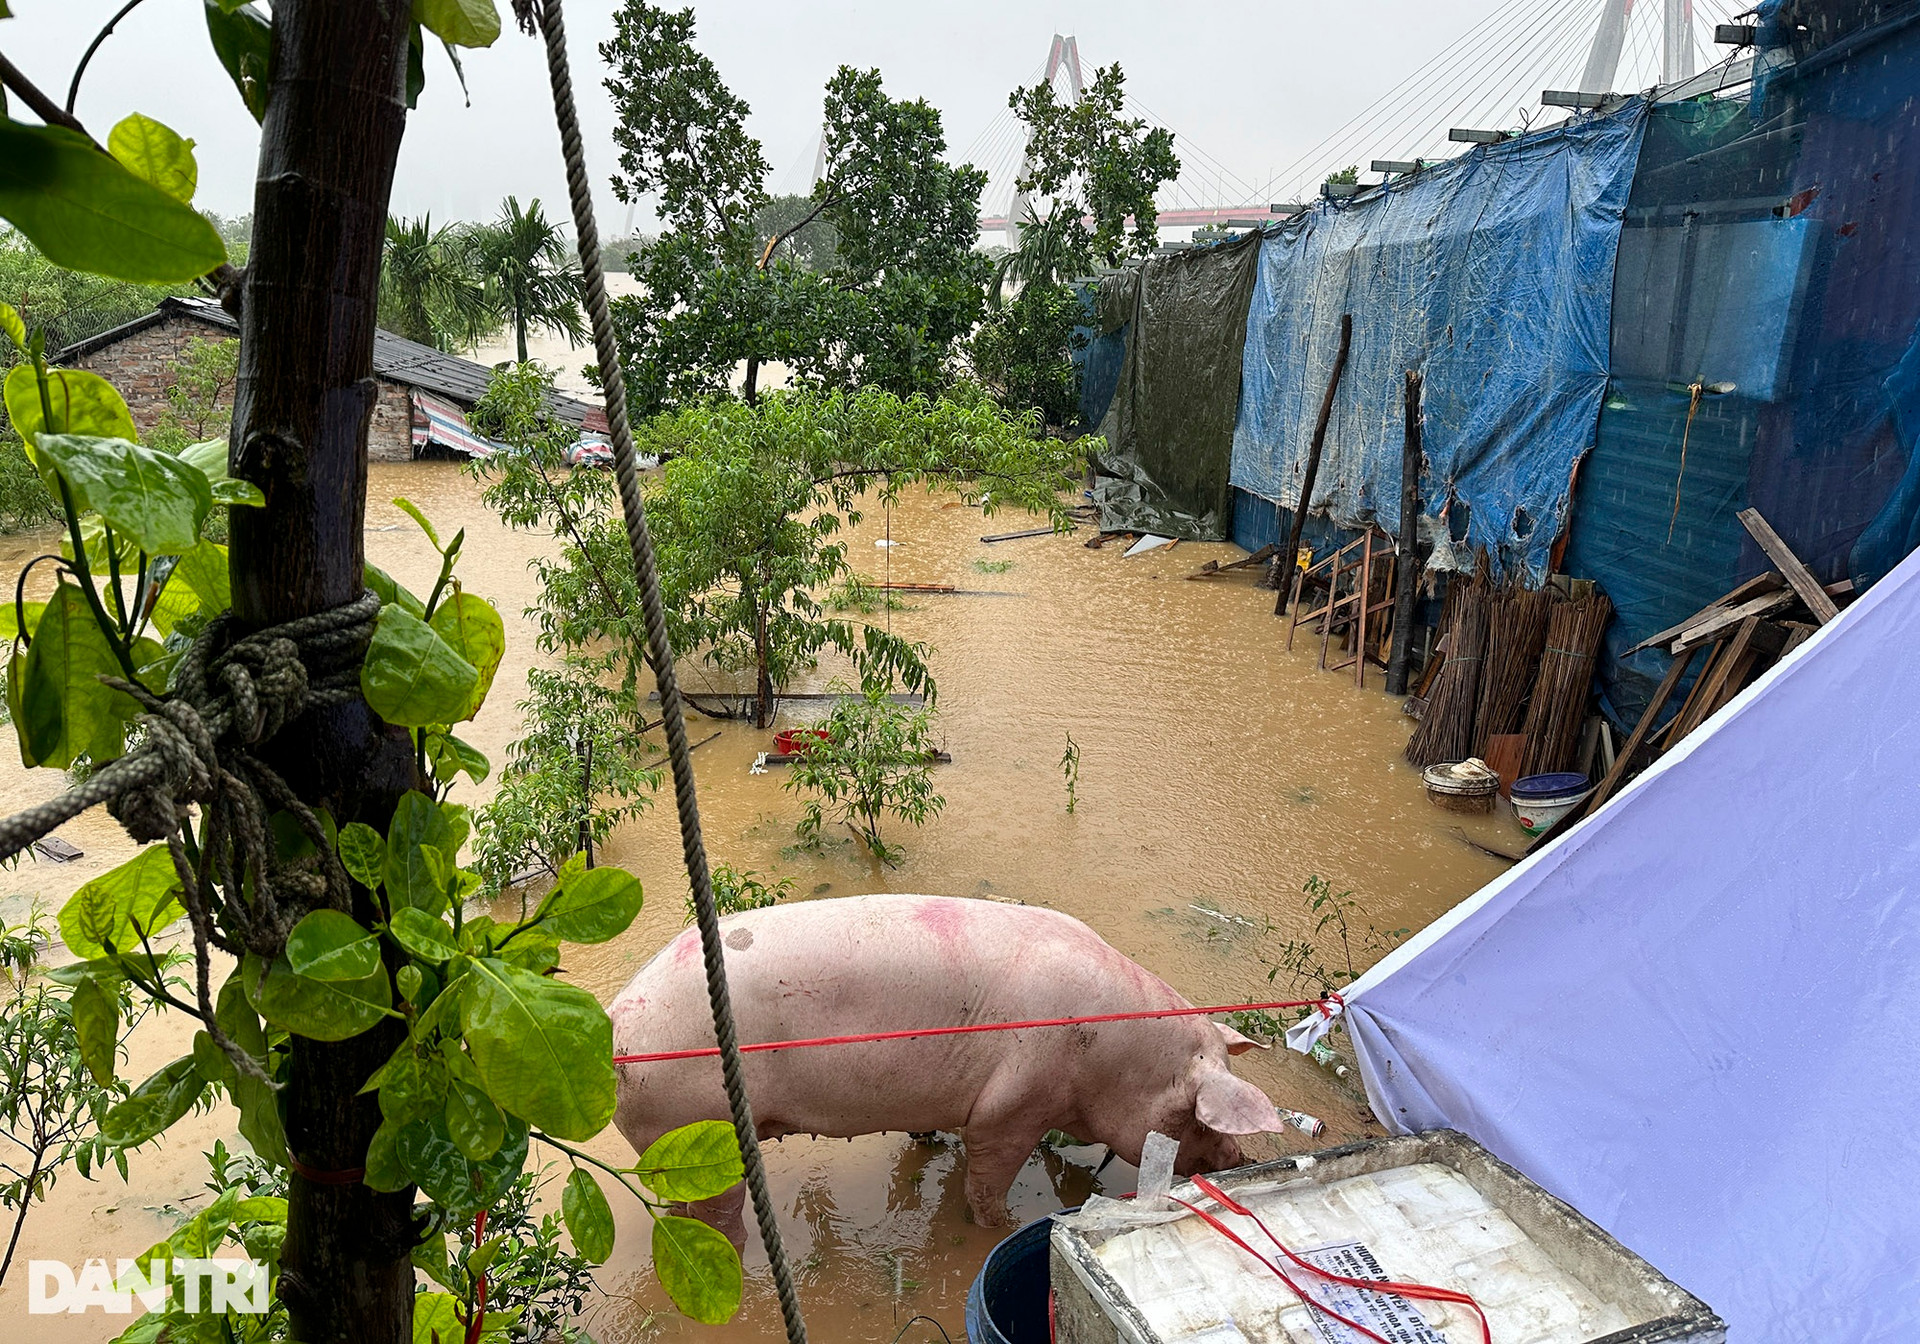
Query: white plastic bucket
column 1541, row 800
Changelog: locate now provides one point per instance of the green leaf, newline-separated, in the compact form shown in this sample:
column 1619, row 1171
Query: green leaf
column 416, row 68
column 427, row 1152
column 154, row 1105
column 450, row 757
column 83, row 403
column 243, row 40
column 391, row 593
column 422, row 935
column 592, row 906
column 363, row 852
column 67, row 712
column 412, row 1086
column 210, row 456
column 198, row 583
column 412, row 511
column 422, row 831
column 329, row 945
column 86, row 212
column 105, row 911
column 321, row 1010
column 459, row 23
column 473, row 1121
column 96, row 1025
column 155, row 154
column 589, row 1221
column 544, row 1050
column 473, row 629
column 535, row 950
column 257, row 1102
column 698, row 1267
column 10, row 627
column 153, row 499
column 10, row 324
column 412, row 676
column 697, row 1161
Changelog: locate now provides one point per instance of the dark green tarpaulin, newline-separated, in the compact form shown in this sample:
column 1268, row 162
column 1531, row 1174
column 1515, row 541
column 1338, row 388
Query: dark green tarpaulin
column 1169, row 428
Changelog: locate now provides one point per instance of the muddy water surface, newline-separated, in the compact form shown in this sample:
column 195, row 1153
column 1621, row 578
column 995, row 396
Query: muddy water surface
column 1218, row 772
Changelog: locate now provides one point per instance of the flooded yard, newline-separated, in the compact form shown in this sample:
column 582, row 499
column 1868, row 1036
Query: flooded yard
column 1218, row 773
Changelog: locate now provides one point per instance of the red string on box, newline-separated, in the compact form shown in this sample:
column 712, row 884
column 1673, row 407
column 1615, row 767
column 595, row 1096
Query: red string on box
column 1418, row 1291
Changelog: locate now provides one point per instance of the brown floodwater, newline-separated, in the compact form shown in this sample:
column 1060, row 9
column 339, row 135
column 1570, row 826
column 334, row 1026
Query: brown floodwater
column 1218, row 772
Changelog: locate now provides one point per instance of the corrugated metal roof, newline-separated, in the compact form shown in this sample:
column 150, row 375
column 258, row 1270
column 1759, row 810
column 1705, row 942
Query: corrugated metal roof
column 394, row 358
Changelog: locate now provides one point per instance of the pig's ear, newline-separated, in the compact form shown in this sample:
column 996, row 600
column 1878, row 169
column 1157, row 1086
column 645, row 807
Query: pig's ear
column 1236, row 1043
column 1230, row 1105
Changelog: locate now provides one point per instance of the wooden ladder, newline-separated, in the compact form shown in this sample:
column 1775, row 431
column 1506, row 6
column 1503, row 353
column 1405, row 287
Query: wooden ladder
column 1350, row 573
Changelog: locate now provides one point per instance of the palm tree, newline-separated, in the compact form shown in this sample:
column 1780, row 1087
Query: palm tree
column 431, row 286
column 1051, row 250
column 533, row 272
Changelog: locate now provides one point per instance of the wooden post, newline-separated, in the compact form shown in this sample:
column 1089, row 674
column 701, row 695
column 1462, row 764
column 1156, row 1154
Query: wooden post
column 1789, row 564
column 331, row 136
column 1283, row 563
column 1407, row 553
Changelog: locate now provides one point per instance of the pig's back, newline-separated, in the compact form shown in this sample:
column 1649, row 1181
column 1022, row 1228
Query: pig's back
column 870, row 964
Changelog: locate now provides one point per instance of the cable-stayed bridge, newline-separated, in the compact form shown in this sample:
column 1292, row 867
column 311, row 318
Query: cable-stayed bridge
column 1488, row 82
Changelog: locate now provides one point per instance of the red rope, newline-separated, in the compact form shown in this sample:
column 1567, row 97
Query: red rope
column 1419, row 1291
column 707, row 1052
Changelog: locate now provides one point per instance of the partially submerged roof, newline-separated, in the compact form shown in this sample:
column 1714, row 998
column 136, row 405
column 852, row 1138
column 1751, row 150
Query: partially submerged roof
column 394, row 358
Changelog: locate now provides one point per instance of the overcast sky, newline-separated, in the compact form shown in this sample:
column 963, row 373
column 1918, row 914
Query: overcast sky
column 1251, row 85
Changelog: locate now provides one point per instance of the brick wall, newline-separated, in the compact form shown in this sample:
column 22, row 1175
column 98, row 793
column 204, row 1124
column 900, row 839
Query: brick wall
column 141, row 367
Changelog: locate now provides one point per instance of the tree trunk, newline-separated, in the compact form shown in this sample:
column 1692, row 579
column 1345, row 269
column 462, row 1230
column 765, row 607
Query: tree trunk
column 752, row 390
column 304, row 396
column 763, row 682
column 520, row 327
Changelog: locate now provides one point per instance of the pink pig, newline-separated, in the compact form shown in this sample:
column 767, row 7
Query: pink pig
column 883, row 963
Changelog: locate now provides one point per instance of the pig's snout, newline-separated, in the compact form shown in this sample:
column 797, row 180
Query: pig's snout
column 1206, row 1150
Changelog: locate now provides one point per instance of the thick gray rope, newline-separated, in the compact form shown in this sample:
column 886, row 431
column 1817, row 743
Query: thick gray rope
column 195, row 747
column 660, row 653
column 248, row 691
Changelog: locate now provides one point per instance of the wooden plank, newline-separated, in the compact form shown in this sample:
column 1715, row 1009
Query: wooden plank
column 1641, row 730
column 1713, row 690
column 1213, row 567
column 1717, row 625
column 1019, row 536
column 1765, row 583
column 1506, row 752
column 1790, row 565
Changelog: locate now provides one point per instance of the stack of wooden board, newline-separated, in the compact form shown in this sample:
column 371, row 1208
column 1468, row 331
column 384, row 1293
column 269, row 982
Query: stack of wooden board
column 1741, row 634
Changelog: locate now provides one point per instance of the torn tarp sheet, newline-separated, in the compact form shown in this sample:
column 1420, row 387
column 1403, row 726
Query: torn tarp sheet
column 1169, row 426
column 1696, row 1016
column 1493, row 274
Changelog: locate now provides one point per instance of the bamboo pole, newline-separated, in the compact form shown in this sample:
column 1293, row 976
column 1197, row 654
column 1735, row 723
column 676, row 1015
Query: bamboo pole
column 1283, row 563
column 1407, row 572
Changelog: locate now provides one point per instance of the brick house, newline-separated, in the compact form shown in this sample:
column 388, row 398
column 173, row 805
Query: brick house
column 424, row 393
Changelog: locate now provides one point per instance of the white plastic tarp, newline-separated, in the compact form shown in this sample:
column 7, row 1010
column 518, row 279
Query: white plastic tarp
column 1696, row 1017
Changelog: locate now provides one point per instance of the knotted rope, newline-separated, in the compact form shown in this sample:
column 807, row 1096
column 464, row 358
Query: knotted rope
column 195, row 747
column 660, row 650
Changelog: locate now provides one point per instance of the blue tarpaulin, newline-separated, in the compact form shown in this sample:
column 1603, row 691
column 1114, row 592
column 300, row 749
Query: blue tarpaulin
column 1770, row 259
column 1493, row 274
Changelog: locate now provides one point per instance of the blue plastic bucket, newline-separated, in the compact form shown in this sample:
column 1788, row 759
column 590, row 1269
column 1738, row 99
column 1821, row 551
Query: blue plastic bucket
column 1008, row 1301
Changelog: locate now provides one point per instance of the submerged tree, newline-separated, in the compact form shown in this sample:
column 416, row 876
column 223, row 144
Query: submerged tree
column 874, row 761
column 1098, row 168
column 533, row 271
